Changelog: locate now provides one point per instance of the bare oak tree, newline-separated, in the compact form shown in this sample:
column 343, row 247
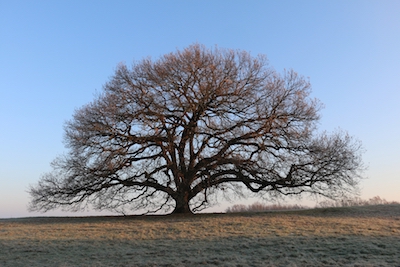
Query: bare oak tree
column 176, row 132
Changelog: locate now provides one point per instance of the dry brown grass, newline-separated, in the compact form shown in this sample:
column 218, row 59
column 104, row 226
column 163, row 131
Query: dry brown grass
column 357, row 236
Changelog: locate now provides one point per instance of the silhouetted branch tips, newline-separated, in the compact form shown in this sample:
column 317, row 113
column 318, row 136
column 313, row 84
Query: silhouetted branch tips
column 197, row 125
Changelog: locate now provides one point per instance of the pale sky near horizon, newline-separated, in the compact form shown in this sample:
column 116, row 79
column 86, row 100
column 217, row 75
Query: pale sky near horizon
column 55, row 55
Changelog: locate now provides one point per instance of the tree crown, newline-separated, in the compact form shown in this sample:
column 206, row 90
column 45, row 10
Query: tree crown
column 176, row 131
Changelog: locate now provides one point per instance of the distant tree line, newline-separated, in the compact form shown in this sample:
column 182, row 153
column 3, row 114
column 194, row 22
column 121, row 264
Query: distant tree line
column 352, row 202
column 257, row 207
column 349, row 202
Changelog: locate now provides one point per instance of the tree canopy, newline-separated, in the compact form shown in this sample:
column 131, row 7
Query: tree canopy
column 194, row 126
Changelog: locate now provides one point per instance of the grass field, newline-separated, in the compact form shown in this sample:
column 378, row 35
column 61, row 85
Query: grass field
column 356, row 236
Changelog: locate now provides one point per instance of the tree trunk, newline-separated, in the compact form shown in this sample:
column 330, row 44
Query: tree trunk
column 182, row 204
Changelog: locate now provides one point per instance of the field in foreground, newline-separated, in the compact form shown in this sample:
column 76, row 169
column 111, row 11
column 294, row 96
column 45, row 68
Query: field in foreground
column 357, row 236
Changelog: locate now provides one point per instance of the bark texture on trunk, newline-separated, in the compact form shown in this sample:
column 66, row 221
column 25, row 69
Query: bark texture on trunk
column 182, row 204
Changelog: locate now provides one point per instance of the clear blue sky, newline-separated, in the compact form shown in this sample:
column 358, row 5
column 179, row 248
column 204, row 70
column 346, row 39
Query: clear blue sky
column 55, row 55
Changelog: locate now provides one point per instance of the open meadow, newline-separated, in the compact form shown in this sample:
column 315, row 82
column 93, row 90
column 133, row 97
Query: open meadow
column 350, row 236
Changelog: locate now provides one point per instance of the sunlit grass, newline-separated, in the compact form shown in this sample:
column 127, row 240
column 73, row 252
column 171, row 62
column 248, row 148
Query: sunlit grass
column 358, row 236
